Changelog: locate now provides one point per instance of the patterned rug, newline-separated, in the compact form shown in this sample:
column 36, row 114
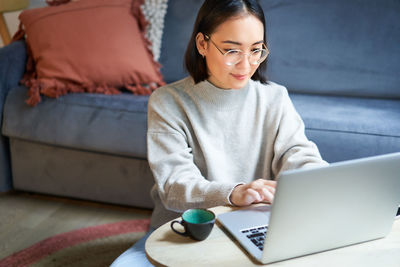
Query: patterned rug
column 92, row 246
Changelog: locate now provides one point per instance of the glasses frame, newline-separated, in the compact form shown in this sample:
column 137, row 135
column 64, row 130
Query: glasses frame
column 208, row 38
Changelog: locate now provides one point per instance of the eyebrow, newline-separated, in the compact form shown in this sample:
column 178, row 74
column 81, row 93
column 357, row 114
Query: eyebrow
column 237, row 43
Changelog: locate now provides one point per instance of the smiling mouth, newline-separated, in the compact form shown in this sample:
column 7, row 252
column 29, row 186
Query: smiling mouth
column 239, row 76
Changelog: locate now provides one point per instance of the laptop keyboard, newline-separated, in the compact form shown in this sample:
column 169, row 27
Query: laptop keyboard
column 256, row 235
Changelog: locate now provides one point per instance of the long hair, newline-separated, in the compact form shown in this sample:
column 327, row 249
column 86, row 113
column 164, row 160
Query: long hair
column 212, row 14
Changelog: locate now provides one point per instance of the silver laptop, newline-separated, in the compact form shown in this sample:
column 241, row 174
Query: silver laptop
column 320, row 209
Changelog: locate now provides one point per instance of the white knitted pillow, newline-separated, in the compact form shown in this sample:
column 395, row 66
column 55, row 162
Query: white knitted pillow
column 154, row 11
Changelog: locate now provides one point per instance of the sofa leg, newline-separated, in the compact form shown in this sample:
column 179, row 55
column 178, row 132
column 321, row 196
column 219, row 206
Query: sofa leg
column 5, row 34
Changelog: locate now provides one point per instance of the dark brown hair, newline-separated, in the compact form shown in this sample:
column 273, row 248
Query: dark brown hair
column 211, row 14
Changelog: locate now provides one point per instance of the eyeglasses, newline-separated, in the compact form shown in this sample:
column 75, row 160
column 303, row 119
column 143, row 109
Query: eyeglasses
column 234, row 56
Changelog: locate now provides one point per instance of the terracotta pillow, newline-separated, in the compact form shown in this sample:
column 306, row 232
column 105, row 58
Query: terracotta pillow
column 95, row 46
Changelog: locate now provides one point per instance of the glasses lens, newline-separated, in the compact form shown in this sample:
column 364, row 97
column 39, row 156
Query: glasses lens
column 257, row 56
column 232, row 57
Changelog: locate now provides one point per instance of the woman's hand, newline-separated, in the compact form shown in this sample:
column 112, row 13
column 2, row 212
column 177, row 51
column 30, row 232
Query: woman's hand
column 260, row 190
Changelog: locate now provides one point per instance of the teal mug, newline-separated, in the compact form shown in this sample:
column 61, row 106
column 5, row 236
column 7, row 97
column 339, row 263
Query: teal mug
column 197, row 223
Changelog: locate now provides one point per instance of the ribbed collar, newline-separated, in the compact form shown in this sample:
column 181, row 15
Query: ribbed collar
column 219, row 98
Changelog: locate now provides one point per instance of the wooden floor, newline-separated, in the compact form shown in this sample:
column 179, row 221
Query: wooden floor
column 26, row 219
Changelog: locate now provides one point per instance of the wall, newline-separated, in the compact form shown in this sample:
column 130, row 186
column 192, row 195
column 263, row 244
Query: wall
column 12, row 17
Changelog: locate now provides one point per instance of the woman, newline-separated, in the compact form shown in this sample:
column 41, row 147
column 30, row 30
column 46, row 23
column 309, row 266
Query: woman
column 222, row 135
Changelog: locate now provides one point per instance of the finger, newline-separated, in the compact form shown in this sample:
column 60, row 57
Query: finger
column 267, row 195
column 270, row 183
column 271, row 189
column 248, row 199
column 253, row 195
column 263, row 182
column 259, row 183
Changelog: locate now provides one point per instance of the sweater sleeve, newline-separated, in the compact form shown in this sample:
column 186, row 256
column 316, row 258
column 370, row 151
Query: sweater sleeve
column 179, row 182
column 292, row 149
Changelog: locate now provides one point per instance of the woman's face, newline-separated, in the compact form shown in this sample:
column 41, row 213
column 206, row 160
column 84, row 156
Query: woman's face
column 245, row 33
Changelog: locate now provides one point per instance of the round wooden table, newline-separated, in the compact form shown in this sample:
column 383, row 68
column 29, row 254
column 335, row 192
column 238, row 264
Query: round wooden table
column 166, row 248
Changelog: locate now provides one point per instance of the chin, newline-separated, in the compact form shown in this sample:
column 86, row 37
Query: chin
column 239, row 84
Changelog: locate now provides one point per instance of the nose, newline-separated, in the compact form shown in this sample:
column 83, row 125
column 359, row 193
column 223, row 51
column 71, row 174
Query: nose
column 244, row 63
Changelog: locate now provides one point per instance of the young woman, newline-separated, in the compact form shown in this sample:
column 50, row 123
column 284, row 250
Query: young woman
column 223, row 135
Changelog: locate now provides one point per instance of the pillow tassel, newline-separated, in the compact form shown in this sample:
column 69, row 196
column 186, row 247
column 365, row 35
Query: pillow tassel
column 143, row 90
column 138, row 89
column 74, row 88
column 100, row 89
column 50, row 89
column 112, row 91
column 154, row 86
column 55, row 89
column 56, row 2
column 136, row 11
column 19, row 34
column 33, row 92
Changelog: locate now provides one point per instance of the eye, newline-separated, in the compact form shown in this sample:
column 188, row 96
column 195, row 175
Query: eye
column 232, row 51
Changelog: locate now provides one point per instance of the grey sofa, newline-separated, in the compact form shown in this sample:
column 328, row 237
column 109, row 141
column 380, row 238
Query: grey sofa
column 340, row 61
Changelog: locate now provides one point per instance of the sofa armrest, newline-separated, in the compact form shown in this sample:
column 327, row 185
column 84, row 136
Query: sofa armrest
column 12, row 68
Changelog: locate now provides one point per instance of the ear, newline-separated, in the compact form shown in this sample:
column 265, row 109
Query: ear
column 201, row 44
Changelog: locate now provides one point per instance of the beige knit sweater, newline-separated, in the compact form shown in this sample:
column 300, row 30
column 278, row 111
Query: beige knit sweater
column 203, row 141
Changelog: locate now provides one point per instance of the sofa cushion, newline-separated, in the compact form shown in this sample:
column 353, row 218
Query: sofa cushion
column 114, row 124
column 349, row 127
column 88, row 46
column 336, row 47
column 178, row 26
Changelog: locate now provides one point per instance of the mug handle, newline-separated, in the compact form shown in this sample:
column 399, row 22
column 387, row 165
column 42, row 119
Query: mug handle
column 173, row 229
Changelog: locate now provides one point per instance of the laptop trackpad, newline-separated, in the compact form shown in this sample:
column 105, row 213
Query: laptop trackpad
column 246, row 218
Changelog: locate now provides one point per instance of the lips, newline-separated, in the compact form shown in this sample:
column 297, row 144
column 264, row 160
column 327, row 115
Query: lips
column 239, row 76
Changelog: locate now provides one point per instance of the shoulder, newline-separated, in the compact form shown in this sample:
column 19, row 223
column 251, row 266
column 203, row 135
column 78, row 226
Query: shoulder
column 170, row 90
column 170, row 95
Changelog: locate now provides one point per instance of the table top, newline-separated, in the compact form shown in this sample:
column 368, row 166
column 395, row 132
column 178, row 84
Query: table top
column 166, row 248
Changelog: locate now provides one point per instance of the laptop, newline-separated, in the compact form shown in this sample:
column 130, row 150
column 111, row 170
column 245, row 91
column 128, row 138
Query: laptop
column 319, row 209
